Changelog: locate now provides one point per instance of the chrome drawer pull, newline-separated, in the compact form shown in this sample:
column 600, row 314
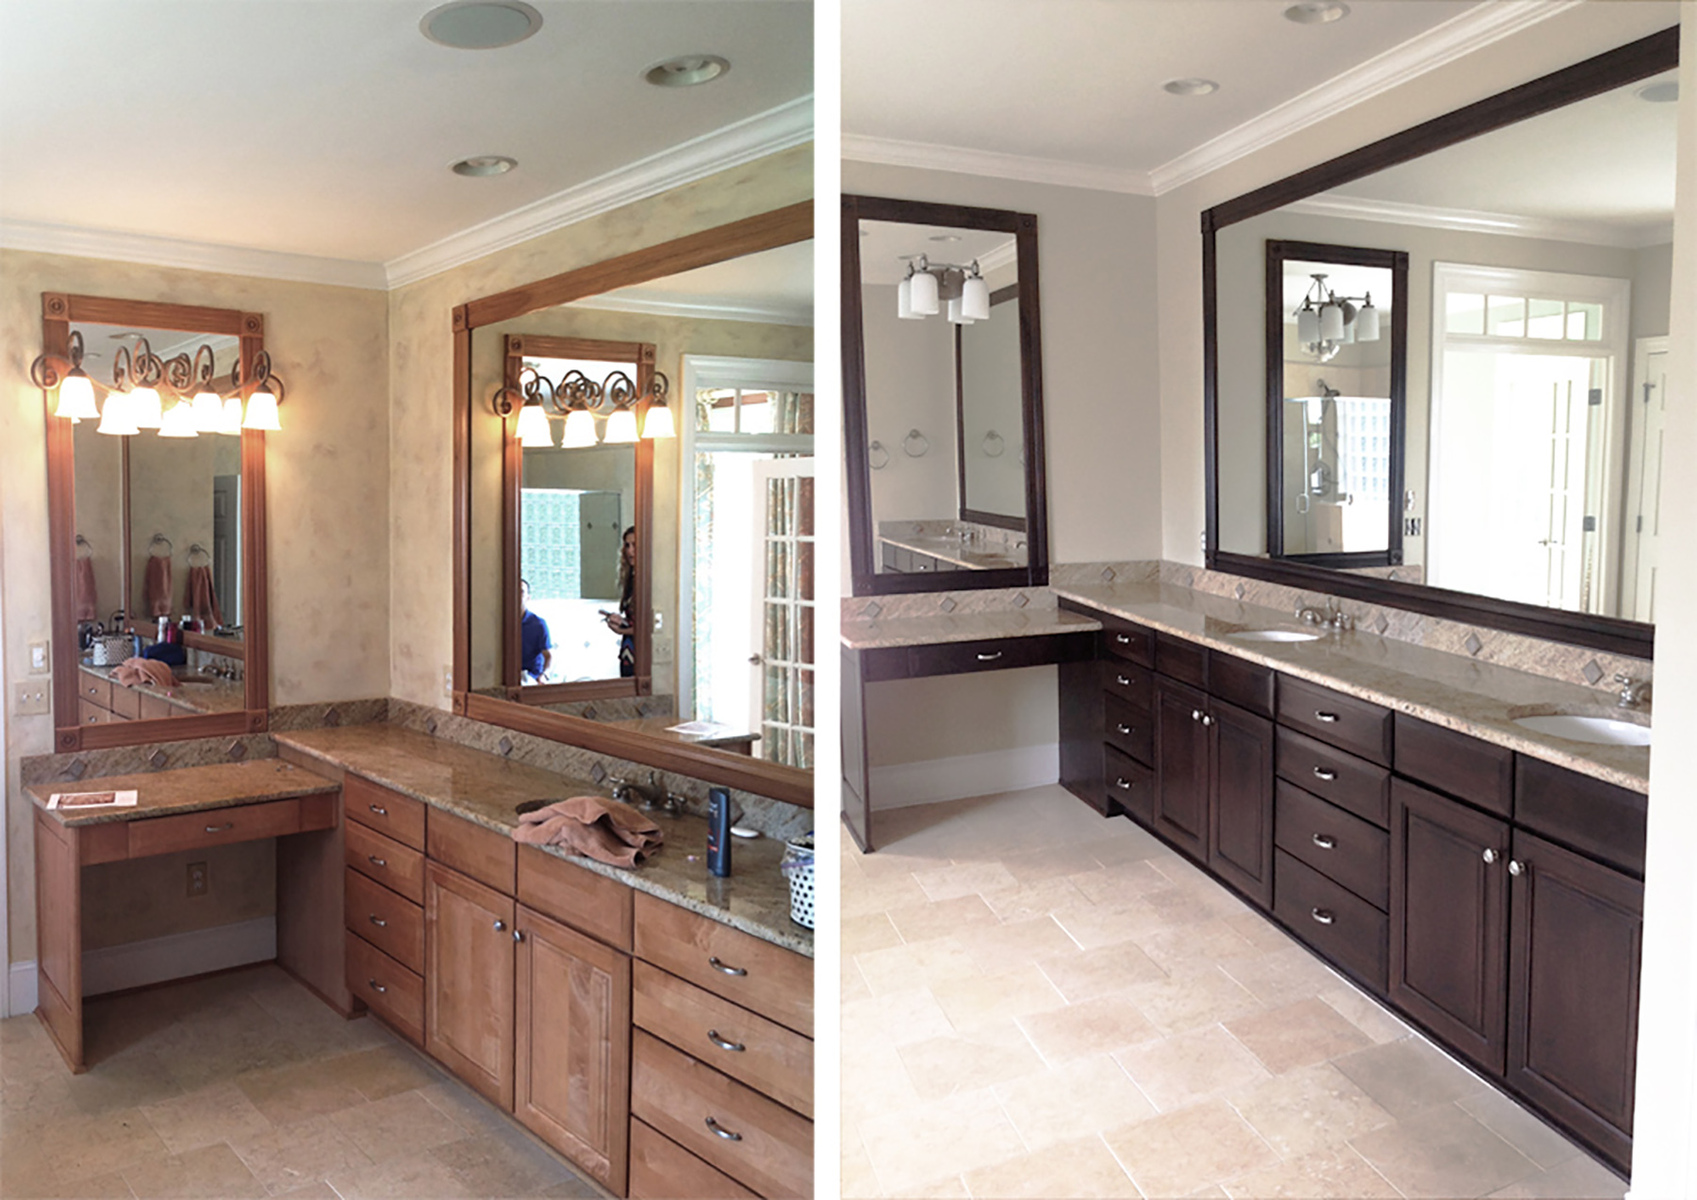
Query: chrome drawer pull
column 1123, row 783
column 224, row 828
column 1490, row 855
column 1516, row 868
column 1323, row 774
column 381, row 862
column 378, row 809
column 379, row 921
column 713, row 1036
column 720, row 1131
column 1324, row 842
column 719, row 966
column 1123, row 680
column 1328, row 718
column 1123, row 728
column 375, row 986
column 990, row 657
column 1322, row 916
column 1123, row 639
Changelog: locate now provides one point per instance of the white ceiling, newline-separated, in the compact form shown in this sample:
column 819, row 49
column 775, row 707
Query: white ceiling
column 771, row 287
column 327, row 128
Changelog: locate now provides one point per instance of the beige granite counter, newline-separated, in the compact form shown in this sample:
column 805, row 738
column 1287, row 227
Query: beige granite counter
column 191, row 789
column 486, row 789
column 1477, row 698
column 954, row 552
column 211, row 696
column 962, row 627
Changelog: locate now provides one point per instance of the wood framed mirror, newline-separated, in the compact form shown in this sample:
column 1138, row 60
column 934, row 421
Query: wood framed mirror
column 942, row 399
column 146, row 528
column 604, row 310
column 1512, row 275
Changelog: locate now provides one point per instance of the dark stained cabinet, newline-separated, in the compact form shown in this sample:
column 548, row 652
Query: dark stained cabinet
column 1240, row 841
column 1181, row 766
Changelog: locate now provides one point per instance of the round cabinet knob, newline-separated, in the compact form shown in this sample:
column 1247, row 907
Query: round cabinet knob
column 1490, row 855
column 1196, row 714
column 1516, row 868
column 500, row 925
column 1206, row 719
column 518, row 935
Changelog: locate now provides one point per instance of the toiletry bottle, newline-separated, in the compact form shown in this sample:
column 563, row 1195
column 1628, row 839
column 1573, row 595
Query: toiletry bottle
column 719, row 831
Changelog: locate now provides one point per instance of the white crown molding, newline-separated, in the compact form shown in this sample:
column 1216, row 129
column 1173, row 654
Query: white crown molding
column 43, row 238
column 1394, row 212
column 1459, row 36
column 766, row 133
column 708, row 312
column 1002, row 256
column 932, row 157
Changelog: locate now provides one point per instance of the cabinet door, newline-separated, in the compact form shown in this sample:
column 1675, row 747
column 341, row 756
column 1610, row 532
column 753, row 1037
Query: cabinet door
column 1573, row 991
column 573, row 1046
column 1081, row 732
column 1449, row 921
column 468, row 998
column 1240, row 842
column 1181, row 766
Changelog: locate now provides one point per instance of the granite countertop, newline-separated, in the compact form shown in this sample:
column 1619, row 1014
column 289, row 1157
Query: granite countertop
column 485, row 788
column 963, row 627
column 189, row 789
column 954, row 551
column 213, row 696
column 661, row 727
column 1477, row 698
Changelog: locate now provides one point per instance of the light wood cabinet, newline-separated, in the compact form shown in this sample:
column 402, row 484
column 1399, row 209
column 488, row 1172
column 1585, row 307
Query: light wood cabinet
column 468, row 981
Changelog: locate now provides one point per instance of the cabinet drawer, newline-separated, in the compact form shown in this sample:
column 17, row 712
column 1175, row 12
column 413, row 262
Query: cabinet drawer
column 214, row 827
column 90, row 713
column 1129, row 730
column 155, row 708
column 1241, row 682
column 745, row 970
column 94, row 690
column 1348, row 782
column 1343, row 847
column 126, row 703
column 397, row 867
column 380, row 808
column 1332, row 919
column 660, row 1169
column 388, row 989
column 1131, row 642
column 472, row 850
column 756, row 1141
column 1130, row 683
column 745, row 1046
column 1465, row 767
column 959, row 658
column 1339, row 720
column 1181, row 660
column 592, row 903
column 1586, row 814
column 1129, row 785
column 394, row 924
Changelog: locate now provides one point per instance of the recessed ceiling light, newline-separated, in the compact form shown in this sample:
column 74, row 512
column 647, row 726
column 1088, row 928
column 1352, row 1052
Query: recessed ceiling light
column 1316, row 12
column 1191, row 87
column 484, row 164
column 1664, row 91
column 944, row 237
column 480, row 24
column 686, row 71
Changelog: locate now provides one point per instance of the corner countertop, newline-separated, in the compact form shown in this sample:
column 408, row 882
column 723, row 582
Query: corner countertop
column 485, row 788
column 953, row 551
column 188, row 789
column 963, row 627
column 1476, row 698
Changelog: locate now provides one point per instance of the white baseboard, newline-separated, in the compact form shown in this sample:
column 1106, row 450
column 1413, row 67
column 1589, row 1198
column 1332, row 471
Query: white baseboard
column 174, row 956
column 940, row 779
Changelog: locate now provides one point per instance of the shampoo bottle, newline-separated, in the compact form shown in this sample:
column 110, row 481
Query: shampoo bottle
column 719, row 832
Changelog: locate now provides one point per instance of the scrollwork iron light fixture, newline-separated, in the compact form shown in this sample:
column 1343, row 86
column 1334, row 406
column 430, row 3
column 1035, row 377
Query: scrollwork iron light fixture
column 205, row 401
column 579, row 399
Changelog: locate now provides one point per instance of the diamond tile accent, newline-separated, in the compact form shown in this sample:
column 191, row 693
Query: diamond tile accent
column 77, row 769
column 505, row 745
column 1021, row 600
column 1381, row 624
column 871, row 611
column 598, row 773
column 332, row 718
column 948, row 604
column 158, row 759
column 1238, row 591
column 430, row 725
column 237, row 751
column 1593, row 672
column 1107, row 574
column 589, row 713
column 1473, row 644
column 643, row 709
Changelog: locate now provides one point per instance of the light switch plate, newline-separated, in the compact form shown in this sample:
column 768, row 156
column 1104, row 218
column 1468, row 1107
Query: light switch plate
column 30, row 698
column 40, row 658
column 663, row 649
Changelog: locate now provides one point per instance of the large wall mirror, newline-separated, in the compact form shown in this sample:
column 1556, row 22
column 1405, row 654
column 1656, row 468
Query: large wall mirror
column 1505, row 414
column 157, row 524
column 637, row 540
column 942, row 397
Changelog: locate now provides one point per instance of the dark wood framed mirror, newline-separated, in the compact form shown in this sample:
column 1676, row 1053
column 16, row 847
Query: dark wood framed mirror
column 1392, row 192
column 956, row 374
column 629, row 739
column 198, row 499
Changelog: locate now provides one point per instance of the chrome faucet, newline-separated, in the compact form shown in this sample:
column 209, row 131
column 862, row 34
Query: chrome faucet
column 650, row 798
column 1333, row 616
column 1633, row 692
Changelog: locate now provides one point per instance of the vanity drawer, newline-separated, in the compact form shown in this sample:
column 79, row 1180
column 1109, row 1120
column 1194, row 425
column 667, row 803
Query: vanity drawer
column 588, row 902
column 1241, row 682
column 392, row 923
column 697, row 1107
column 155, row 708
column 1478, row 772
column 1128, row 729
column 1129, row 682
column 1340, row 846
column 890, row 557
column 472, row 850
column 744, row 1045
column 745, row 970
column 126, row 703
column 1332, row 919
column 1342, row 721
column 94, row 690
column 389, row 812
column 1347, row 781
column 90, row 713
column 1178, row 659
column 214, row 827
column 1131, row 642
column 397, row 867
column 1129, row 785
column 958, row 658
column 1582, row 813
column 660, row 1169
column 387, row 988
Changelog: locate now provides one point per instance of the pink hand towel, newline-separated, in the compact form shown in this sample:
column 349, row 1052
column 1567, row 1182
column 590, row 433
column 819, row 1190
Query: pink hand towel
column 146, row 671
column 157, row 586
column 594, row 827
column 88, row 605
column 202, row 603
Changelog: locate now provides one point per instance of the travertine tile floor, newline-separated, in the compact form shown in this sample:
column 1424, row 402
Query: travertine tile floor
column 1039, row 1002
column 245, row 1084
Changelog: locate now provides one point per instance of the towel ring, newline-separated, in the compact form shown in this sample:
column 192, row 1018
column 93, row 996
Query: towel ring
column 915, row 444
column 152, row 544
column 994, row 445
column 205, row 558
column 877, row 456
column 84, row 550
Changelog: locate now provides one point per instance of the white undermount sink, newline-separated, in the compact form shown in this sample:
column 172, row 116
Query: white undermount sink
column 1273, row 635
column 1598, row 731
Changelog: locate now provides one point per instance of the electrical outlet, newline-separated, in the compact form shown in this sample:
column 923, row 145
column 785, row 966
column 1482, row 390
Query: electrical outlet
column 448, row 679
column 662, row 649
column 197, row 879
column 40, row 661
column 30, row 699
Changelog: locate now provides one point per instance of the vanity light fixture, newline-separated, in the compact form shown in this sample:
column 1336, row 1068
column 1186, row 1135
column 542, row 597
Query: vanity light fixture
column 1326, row 321
column 928, row 284
column 688, row 70
column 577, row 398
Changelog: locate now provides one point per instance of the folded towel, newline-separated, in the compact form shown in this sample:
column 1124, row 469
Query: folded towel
column 202, row 603
column 594, row 827
column 157, row 585
column 88, row 607
column 148, row 671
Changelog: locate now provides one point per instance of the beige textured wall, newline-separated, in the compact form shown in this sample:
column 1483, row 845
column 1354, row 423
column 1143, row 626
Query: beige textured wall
column 421, row 356
column 327, row 500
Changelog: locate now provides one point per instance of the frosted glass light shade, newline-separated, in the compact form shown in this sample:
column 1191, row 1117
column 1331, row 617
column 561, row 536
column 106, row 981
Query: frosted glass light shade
column 533, row 428
column 231, row 420
column 1331, row 322
column 1367, row 323
column 116, row 418
column 904, row 301
column 179, row 421
column 208, row 412
column 146, row 411
column 1307, row 325
column 621, row 426
column 957, row 312
column 261, row 412
column 76, row 397
column 922, row 294
column 579, row 430
column 975, row 299
column 657, row 422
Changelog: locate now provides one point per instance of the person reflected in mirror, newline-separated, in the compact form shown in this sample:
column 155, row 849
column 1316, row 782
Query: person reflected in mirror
column 536, row 648
column 622, row 622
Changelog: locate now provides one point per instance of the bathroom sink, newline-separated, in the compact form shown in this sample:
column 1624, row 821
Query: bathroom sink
column 1598, row 731
column 1273, row 635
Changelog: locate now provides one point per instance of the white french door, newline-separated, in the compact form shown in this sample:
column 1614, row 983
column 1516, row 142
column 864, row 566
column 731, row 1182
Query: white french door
column 781, row 667
column 1644, row 480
